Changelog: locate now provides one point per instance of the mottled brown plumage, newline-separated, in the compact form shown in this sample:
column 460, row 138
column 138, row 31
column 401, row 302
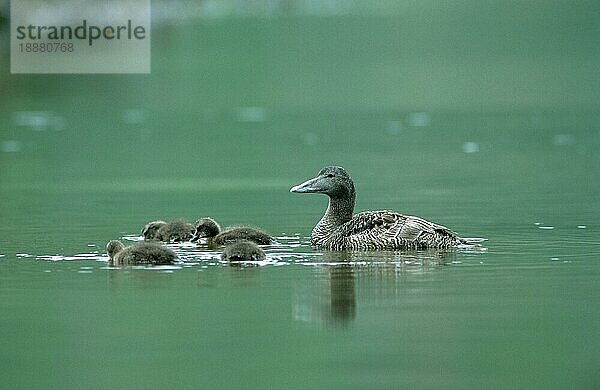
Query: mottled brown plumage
column 369, row 230
column 208, row 228
column 138, row 253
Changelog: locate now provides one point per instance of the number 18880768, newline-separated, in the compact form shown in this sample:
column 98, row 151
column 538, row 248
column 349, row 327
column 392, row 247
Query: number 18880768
column 46, row 47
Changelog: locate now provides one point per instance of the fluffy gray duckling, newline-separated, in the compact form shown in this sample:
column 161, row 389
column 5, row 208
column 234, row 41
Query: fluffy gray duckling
column 339, row 229
column 139, row 253
column 208, row 228
column 243, row 250
column 172, row 231
column 150, row 230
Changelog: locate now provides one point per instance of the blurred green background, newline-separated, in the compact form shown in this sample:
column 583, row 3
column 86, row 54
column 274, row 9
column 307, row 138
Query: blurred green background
column 284, row 74
column 271, row 91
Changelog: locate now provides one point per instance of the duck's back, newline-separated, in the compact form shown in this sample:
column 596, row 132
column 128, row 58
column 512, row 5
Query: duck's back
column 145, row 253
column 388, row 230
column 175, row 231
column 243, row 233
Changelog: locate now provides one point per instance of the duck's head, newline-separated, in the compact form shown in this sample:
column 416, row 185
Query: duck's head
column 149, row 231
column 205, row 227
column 332, row 181
column 113, row 247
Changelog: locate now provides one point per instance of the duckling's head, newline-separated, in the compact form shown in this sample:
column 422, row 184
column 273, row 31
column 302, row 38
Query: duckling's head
column 205, row 228
column 151, row 229
column 333, row 181
column 243, row 250
column 113, row 247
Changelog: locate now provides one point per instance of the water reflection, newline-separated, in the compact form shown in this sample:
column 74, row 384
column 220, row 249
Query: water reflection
column 143, row 277
column 342, row 294
column 330, row 287
column 331, row 297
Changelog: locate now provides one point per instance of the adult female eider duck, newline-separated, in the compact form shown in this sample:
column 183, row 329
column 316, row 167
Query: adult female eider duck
column 208, row 228
column 243, row 250
column 369, row 230
column 172, row 231
column 138, row 253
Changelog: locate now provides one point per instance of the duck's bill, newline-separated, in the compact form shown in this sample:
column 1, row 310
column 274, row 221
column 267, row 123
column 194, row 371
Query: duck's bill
column 307, row 187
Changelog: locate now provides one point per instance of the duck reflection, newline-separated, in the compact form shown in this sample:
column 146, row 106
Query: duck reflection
column 331, row 299
column 342, row 294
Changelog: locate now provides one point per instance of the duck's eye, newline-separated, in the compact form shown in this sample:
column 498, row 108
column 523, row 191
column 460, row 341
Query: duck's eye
column 329, row 175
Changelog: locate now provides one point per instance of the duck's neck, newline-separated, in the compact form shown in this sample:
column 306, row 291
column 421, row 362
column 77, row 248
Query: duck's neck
column 339, row 211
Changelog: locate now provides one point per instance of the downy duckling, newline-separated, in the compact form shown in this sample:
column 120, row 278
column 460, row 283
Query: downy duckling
column 172, row 231
column 243, row 250
column 139, row 253
column 208, row 228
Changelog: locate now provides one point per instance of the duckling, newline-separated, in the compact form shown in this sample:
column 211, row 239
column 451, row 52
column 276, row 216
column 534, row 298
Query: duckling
column 172, row 231
column 210, row 229
column 138, row 253
column 338, row 229
column 243, row 250
column 150, row 230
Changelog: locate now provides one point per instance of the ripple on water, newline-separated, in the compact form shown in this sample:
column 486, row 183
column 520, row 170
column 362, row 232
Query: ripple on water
column 85, row 270
column 132, row 238
column 287, row 250
column 79, row 256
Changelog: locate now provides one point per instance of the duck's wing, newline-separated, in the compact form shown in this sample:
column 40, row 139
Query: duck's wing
column 415, row 227
column 367, row 221
column 388, row 229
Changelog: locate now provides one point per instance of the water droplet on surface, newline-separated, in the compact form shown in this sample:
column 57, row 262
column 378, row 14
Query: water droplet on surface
column 394, row 127
column 134, row 115
column 470, row 147
column 563, row 139
column 419, row 119
column 11, row 146
column 251, row 114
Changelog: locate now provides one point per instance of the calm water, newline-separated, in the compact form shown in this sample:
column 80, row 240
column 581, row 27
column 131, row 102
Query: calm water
column 87, row 159
column 522, row 312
